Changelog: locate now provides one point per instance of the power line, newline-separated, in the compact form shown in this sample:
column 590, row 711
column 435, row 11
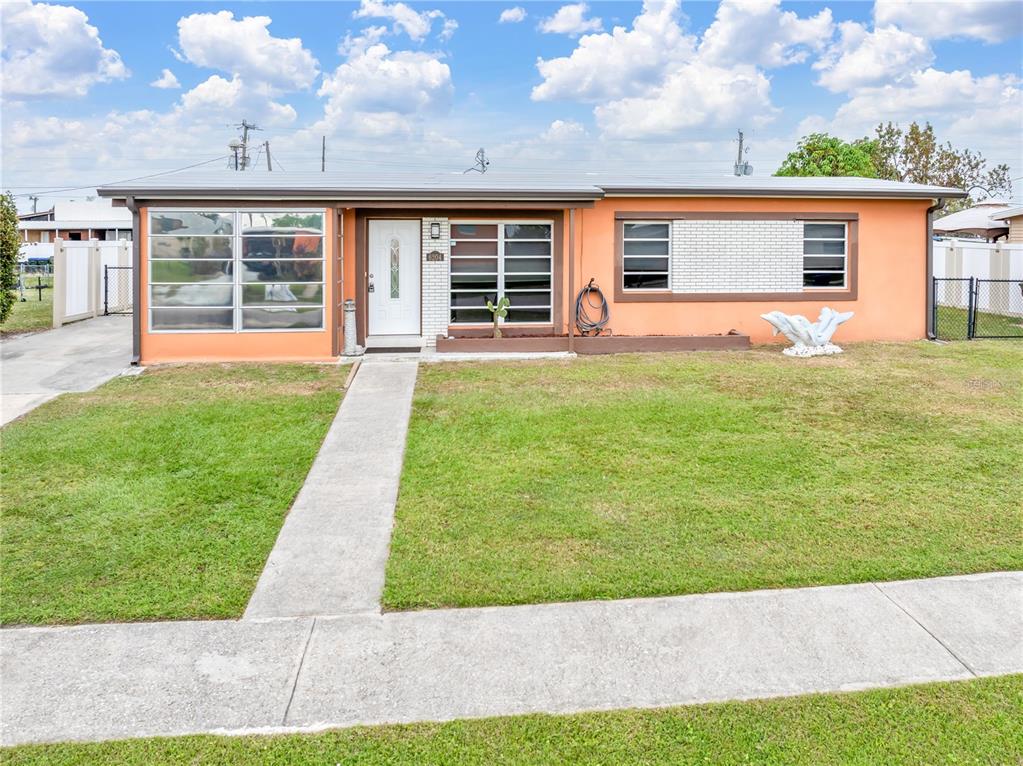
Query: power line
column 121, row 181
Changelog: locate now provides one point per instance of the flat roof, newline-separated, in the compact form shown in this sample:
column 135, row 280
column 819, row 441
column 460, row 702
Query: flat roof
column 581, row 187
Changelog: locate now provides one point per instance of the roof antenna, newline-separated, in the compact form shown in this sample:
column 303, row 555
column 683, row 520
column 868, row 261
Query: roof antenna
column 741, row 167
column 482, row 163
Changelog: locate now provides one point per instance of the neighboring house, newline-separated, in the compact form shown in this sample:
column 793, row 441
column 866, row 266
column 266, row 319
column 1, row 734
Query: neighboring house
column 75, row 220
column 246, row 265
column 1013, row 217
column 980, row 220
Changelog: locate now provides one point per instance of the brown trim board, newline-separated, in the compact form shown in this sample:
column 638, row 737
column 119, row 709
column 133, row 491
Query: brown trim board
column 666, row 296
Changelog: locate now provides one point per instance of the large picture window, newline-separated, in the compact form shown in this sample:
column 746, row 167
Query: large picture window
column 241, row 270
column 646, row 255
column 494, row 259
column 824, row 255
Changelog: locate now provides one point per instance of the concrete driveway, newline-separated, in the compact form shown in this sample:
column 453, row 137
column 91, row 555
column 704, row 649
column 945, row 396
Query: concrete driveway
column 77, row 357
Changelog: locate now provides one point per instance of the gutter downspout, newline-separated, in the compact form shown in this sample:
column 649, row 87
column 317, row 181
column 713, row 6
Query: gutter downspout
column 571, row 279
column 136, row 283
column 929, row 277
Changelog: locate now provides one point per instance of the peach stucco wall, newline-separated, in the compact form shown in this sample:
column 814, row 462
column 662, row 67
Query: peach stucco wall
column 232, row 346
column 891, row 303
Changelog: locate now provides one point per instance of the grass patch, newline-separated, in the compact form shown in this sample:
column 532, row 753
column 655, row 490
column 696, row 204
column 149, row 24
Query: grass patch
column 32, row 314
column 157, row 496
column 648, row 475
column 969, row 722
column 952, row 324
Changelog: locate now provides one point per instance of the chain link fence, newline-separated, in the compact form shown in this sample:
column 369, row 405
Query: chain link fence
column 970, row 308
column 117, row 290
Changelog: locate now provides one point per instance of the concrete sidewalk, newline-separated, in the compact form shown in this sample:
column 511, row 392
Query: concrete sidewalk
column 76, row 357
column 132, row 680
column 330, row 556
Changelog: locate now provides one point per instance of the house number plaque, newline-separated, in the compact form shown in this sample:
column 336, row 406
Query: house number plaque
column 435, row 255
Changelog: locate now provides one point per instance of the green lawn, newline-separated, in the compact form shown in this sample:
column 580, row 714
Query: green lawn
column 32, row 314
column 970, row 722
column 158, row 496
column 647, row 475
column 952, row 324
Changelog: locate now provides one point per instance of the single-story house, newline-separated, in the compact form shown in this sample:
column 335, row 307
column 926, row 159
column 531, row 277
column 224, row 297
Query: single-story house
column 75, row 220
column 1013, row 218
column 247, row 265
column 980, row 220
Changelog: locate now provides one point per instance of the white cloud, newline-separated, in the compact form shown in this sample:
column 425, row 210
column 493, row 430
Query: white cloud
column 166, row 80
column 696, row 100
column 861, row 58
column 618, row 63
column 245, row 47
column 53, row 50
column 759, row 32
column 992, row 21
column 380, row 92
column 448, row 31
column 512, row 15
column 571, row 20
column 564, row 131
column 405, row 19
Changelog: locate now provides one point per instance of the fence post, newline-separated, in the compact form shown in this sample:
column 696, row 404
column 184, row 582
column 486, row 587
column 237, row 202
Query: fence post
column 971, row 310
column 59, row 282
column 934, row 308
column 95, row 261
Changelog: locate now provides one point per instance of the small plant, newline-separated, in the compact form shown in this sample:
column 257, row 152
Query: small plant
column 500, row 311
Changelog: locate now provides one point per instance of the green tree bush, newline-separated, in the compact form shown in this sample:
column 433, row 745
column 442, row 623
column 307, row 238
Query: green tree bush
column 9, row 246
column 820, row 154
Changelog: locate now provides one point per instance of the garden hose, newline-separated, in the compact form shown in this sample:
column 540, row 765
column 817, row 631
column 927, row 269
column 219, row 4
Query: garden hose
column 584, row 302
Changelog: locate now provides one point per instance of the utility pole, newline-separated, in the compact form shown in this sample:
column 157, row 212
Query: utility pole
column 741, row 167
column 35, row 201
column 242, row 163
column 323, row 155
column 266, row 145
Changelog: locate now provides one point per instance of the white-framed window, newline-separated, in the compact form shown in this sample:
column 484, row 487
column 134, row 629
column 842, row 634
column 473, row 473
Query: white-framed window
column 646, row 255
column 825, row 254
column 490, row 259
column 248, row 270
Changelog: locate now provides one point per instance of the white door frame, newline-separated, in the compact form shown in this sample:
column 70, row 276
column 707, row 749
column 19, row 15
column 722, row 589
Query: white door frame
column 387, row 316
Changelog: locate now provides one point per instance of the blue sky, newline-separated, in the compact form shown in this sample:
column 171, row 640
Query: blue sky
column 94, row 92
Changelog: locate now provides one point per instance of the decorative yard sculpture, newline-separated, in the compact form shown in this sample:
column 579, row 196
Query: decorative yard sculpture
column 809, row 339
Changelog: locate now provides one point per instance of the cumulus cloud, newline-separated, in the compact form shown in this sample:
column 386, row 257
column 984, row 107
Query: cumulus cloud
column 53, row 51
column 759, row 32
column 655, row 80
column 861, row 58
column 405, row 19
column 564, row 131
column 245, row 47
column 379, row 92
column 512, row 15
column 571, row 20
column 694, row 98
column 991, row 21
column 166, row 80
column 614, row 64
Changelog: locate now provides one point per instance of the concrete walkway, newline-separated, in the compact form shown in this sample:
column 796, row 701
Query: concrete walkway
column 330, row 556
column 132, row 680
column 76, row 357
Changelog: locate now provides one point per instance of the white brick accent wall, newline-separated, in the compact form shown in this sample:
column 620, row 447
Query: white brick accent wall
column 436, row 287
column 736, row 256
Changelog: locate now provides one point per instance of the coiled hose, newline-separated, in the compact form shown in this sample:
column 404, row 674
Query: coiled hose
column 585, row 302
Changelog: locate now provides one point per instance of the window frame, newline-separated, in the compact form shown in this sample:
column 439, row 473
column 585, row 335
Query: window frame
column 625, row 258
column 502, row 271
column 236, row 261
column 844, row 255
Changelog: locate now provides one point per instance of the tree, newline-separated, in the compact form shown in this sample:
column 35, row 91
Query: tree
column 820, row 154
column 915, row 155
column 9, row 246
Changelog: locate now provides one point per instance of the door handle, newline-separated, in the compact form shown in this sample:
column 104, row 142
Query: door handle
column 369, row 288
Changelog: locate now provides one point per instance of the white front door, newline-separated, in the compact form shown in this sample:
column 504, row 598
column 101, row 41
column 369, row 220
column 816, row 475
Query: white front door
column 393, row 279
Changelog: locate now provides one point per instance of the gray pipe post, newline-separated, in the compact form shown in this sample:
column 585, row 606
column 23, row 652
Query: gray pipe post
column 351, row 347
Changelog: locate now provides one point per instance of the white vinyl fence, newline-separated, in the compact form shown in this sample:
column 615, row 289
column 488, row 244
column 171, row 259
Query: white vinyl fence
column 78, row 278
column 961, row 259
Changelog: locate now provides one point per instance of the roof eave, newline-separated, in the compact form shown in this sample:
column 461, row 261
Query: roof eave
column 615, row 191
column 356, row 195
